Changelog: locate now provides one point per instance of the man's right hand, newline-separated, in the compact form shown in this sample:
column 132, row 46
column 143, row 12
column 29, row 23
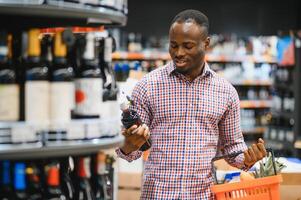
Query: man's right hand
column 135, row 137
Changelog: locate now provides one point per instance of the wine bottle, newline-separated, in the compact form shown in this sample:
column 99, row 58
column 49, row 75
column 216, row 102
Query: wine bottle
column 66, row 183
column 53, row 189
column 130, row 117
column 34, row 189
column 88, row 83
column 19, row 181
column 9, row 89
column 62, row 89
column 6, row 190
column 83, row 188
column 37, row 83
column 102, row 185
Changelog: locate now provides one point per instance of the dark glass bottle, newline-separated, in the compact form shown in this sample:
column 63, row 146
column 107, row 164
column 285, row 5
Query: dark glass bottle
column 6, row 190
column 36, row 82
column 88, row 83
column 34, row 189
column 53, row 189
column 61, row 89
column 20, row 181
column 130, row 117
column 83, row 189
column 66, row 183
column 9, row 92
column 102, row 185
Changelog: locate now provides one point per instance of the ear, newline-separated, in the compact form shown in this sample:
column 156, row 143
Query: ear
column 207, row 43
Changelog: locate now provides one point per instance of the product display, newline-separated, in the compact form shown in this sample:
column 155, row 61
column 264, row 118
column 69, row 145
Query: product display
column 68, row 70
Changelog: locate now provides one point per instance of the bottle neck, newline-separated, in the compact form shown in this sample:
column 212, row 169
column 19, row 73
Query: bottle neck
column 84, row 167
column 53, row 178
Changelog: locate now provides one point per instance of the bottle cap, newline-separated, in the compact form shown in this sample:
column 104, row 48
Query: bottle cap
column 60, row 48
column 19, row 180
column 34, row 46
column 89, row 53
column 101, row 163
column 84, row 167
column 53, row 178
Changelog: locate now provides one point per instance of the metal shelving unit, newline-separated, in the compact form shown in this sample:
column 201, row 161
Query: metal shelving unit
column 57, row 149
column 55, row 13
column 17, row 16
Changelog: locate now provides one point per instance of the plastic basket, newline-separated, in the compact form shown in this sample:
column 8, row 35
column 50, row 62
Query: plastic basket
column 266, row 188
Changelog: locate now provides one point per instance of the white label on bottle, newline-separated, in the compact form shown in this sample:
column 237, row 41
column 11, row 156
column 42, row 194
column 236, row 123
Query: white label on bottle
column 21, row 134
column 88, row 96
column 9, row 102
column 37, row 101
column 93, row 130
column 108, row 49
column 76, row 131
column 61, row 101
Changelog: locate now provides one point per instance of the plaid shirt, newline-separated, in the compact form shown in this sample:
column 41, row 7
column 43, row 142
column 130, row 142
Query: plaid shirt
column 189, row 123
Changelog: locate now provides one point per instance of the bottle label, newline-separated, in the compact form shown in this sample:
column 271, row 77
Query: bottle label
column 88, row 96
column 108, row 49
column 37, row 101
column 9, row 102
column 61, row 101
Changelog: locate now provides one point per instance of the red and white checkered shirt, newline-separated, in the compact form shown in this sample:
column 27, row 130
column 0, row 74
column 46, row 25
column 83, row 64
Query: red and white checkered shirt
column 189, row 122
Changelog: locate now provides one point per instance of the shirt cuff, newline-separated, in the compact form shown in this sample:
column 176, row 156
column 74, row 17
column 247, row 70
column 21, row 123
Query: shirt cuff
column 129, row 157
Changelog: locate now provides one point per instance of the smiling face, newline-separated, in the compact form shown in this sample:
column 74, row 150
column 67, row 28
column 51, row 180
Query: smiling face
column 187, row 46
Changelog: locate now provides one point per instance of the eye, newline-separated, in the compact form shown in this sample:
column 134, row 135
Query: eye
column 188, row 45
column 173, row 45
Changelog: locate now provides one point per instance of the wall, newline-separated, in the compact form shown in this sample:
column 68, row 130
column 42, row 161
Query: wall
column 243, row 17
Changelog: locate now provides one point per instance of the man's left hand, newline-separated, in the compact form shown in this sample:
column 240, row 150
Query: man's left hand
column 254, row 153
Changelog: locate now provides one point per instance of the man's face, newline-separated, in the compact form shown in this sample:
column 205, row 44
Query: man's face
column 187, row 46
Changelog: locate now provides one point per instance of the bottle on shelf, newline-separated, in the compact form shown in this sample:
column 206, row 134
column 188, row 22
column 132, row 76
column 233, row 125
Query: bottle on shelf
column 36, row 83
column 20, row 181
column 9, row 88
column 62, row 90
column 6, row 190
column 83, row 189
column 109, row 97
column 88, row 83
column 67, row 184
column 53, row 187
column 102, row 186
column 34, row 190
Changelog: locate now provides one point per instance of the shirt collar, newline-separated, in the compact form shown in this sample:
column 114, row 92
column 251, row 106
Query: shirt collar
column 171, row 67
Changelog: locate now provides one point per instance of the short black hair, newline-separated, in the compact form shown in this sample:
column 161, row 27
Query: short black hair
column 198, row 17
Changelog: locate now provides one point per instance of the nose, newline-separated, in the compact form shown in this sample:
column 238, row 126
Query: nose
column 180, row 52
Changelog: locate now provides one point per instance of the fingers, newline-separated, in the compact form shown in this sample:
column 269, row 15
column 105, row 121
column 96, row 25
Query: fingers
column 252, row 154
column 262, row 149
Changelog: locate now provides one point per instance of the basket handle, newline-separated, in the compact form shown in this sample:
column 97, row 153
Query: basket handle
column 233, row 155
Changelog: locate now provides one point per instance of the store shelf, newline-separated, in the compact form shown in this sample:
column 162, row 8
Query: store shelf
column 255, row 104
column 153, row 55
column 284, row 86
column 58, row 149
column 255, row 130
column 57, row 13
column 242, row 58
column 140, row 56
column 265, row 83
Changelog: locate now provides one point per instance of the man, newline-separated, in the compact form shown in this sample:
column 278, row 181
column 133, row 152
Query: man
column 189, row 113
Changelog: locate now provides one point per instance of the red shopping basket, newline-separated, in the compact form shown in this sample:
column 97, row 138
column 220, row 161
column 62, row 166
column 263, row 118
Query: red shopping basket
column 266, row 188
